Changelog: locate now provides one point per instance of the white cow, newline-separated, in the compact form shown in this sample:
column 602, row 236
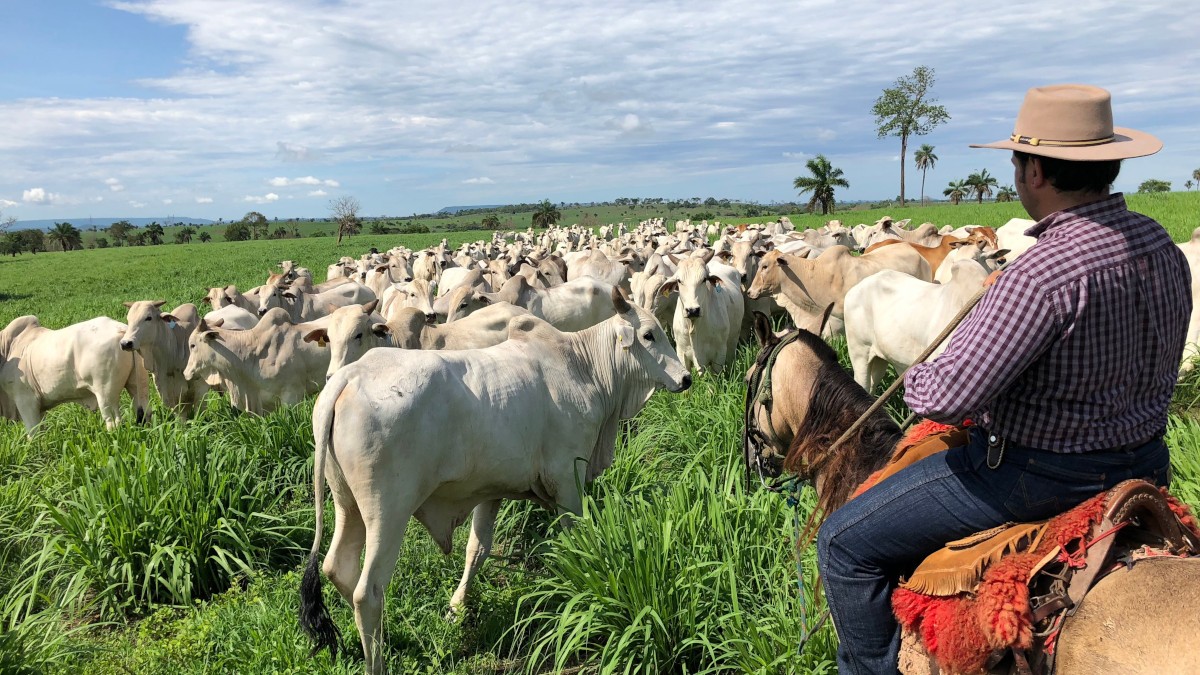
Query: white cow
column 263, row 367
column 352, row 331
column 572, row 306
column 891, row 317
column 417, row 294
column 232, row 317
column 161, row 340
column 301, row 307
column 708, row 314
column 531, row 418
column 82, row 363
column 1011, row 236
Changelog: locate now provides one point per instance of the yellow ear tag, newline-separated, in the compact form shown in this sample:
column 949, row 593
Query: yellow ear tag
column 321, row 342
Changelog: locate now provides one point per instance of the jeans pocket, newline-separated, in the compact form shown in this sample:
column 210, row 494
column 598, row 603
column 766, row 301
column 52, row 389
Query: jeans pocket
column 1045, row 489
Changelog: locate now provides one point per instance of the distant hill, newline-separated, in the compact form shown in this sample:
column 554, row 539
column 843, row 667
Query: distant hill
column 85, row 223
column 456, row 209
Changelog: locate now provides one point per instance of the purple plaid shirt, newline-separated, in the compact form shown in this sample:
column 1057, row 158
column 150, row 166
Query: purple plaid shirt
column 1077, row 346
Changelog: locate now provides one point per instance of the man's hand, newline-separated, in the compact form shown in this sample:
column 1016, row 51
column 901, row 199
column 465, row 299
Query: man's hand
column 991, row 278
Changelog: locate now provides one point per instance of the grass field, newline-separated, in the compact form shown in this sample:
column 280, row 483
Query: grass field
column 175, row 548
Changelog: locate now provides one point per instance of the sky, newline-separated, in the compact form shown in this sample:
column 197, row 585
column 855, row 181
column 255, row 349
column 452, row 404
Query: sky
column 213, row 108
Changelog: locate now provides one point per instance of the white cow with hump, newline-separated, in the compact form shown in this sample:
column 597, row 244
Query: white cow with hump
column 161, row 339
column 708, row 313
column 263, row 367
column 531, row 418
column 892, row 317
column 82, row 363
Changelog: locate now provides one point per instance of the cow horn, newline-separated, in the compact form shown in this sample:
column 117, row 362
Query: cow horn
column 370, row 306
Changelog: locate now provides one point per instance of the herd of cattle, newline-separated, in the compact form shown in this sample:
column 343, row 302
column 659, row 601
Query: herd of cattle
column 892, row 289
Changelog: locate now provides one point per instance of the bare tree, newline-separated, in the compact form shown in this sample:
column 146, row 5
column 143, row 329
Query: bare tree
column 6, row 222
column 344, row 210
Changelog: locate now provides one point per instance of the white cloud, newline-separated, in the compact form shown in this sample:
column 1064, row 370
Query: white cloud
column 204, row 200
column 114, row 184
column 137, row 205
column 39, row 196
column 262, row 93
column 317, row 193
column 265, row 199
column 5, row 203
column 482, row 180
column 168, row 202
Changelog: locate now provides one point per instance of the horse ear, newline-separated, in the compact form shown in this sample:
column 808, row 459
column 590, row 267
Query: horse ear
column 825, row 319
column 762, row 329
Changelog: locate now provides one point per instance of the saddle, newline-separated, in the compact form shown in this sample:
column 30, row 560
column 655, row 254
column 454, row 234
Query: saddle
column 996, row 601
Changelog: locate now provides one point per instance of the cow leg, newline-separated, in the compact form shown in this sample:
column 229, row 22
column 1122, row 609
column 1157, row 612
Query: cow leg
column 876, row 369
column 138, row 386
column 479, row 545
column 860, row 361
column 109, row 404
column 30, row 410
column 349, row 538
column 383, row 549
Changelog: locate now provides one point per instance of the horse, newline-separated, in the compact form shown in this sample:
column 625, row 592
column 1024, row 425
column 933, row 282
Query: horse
column 1139, row 619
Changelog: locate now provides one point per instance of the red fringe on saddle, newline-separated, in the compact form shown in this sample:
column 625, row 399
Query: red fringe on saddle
column 962, row 631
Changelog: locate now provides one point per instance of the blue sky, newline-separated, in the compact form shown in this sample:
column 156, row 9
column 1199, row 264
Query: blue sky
column 212, row 108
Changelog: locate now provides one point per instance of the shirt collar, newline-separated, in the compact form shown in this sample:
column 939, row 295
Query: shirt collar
column 1113, row 202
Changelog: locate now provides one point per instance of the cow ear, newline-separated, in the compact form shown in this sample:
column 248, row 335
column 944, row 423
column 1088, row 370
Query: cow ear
column 319, row 336
column 715, row 280
column 229, row 298
column 999, row 255
column 959, row 243
column 370, row 306
column 380, row 329
column 216, row 323
column 782, row 261
column 128, row 305
column 159, row 303
column 725, row 255
column 206, row 300
column 669, row 287
column 381, row 269
column 762, row 329
column 825, row 319
column 480, row 297
column 169, row 318
column 620, row 302
column 767, row 246
column 210, row 335
column 625, row 334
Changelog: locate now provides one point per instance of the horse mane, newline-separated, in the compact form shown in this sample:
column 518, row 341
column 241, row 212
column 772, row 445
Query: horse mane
column 837, row 402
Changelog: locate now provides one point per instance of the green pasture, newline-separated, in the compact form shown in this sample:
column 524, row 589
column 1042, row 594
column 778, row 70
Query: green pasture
column 176, row 548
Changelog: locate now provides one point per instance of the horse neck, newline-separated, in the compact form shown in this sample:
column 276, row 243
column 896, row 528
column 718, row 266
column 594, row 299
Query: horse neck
column 836, row 403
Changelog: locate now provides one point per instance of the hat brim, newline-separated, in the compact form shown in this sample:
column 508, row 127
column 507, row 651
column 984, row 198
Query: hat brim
column 1126, row 144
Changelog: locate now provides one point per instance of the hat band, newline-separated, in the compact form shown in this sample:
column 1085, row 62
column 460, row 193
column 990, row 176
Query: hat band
column 1030, row 140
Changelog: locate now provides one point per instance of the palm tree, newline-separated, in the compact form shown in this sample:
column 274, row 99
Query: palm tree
column 67, row 236
column 546, row 214
column 924, row 159
column 825, row 177
column 957, row 191
column 1196, row 176
column 1005, row 194
column 154, row 232
column 184, row 234
column 1188, row 185
column 981, row 184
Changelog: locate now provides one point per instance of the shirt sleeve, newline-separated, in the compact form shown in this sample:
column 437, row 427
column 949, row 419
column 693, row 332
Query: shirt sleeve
column 1011, row 327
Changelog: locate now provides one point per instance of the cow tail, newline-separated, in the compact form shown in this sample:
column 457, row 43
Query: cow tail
column 314, row 615
column 138, row 386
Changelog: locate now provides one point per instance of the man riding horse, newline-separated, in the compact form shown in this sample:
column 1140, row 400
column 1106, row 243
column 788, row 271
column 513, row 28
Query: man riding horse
column 1066, row 368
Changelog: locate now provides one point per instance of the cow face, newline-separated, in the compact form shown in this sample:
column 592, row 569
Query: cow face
column 769, row 278
column 144, row 323
column 695, row 286
column 418, row 294
column 203, row 355
column 463, row 301
column 639, row 337
column 348, row 334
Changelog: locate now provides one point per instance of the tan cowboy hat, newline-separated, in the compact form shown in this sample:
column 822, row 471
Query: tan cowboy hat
column 1073, row 122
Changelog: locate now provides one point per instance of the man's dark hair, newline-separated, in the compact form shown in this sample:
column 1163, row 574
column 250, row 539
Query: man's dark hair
column 1067, row 176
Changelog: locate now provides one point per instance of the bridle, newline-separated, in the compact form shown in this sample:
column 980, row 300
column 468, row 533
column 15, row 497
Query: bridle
column 759, row 397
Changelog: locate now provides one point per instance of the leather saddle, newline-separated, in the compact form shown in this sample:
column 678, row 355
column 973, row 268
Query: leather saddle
column 1135, row 515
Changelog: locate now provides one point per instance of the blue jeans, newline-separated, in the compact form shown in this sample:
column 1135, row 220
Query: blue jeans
column 865, row 546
